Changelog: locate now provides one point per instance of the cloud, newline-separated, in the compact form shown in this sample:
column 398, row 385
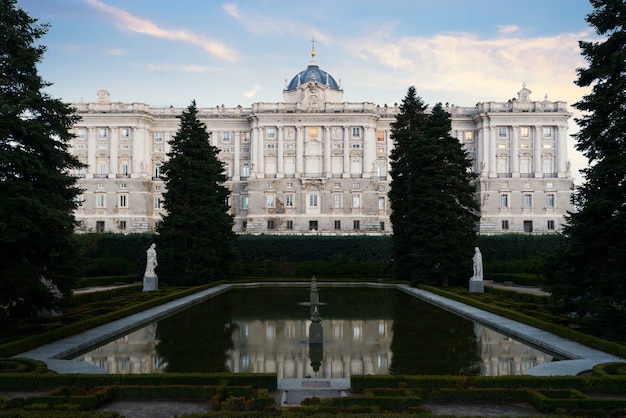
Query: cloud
column 260, row 24
column 190, row 68
column 506, row 29
column 250, row 94
column 466, row 64
column 132, row 23
column 115, row 52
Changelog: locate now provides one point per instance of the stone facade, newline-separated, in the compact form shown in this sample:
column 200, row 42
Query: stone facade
column 314, row 164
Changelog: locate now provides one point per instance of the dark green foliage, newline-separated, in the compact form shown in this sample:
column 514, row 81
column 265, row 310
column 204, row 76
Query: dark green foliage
column 303, row 256
column 588, row 275
column 196, row 235
column 434, row 212
column 108, row 253
column 37, row 194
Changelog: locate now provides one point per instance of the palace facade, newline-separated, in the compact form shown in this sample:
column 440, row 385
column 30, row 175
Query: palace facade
column 314, row 164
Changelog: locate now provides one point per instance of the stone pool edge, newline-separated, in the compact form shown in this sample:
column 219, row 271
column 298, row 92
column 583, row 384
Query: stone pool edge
column 581, row 358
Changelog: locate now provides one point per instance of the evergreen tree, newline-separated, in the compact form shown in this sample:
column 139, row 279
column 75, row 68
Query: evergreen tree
column 37, row 195
column 588, row 275
column 196, row 236
column 434, row 211
column 405, row 131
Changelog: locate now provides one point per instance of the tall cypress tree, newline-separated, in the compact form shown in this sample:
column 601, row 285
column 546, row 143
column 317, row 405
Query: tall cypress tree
column 405, row 131
column 588, row 275
column 37, row 195
column 434, row 211
column 196, row 236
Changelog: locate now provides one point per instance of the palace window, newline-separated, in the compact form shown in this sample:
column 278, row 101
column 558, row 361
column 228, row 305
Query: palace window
column 505, row 224
column 547, row 132
column 356, row 201
column 244, row 202
column 550, row 200
column 524, row 131
column 502, row 131
column 289, row 224
column 528, row 200
column 158, row 137
column 356, row 225
column 270, row 201
column 356, row 132
column 381, row 203
column 270, row 224
column 123, row 201
column 504, row 201
column 337, row 225
column 468, row 136
column 103, row 133
column 313, row 200
column 245, row 171
column 100, row 200
column 270, row 133
column 157, row 202
column 125, row 133
column 225, row 137
column 337, row 201
column 551, row 225
column 289, row 200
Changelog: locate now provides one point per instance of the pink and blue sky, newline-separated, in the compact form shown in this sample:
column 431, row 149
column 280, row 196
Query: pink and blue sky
column 164, row 52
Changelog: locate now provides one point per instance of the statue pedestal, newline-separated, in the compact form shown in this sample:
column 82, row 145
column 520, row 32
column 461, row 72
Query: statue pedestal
column 477, row 286
column 150, row 283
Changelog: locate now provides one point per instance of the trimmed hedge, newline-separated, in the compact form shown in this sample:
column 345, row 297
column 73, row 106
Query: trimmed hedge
column 616, row 349
column 35, row 381
column 106, row 280
column 587, row 384
column 157, row 298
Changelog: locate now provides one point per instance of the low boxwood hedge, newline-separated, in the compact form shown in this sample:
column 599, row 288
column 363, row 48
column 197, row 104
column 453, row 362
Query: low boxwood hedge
column 46, row 381
column 154, row 299
column 616, row 349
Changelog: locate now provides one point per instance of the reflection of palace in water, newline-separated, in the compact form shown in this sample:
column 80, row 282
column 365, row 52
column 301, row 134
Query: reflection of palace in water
column 282, row 347
column 134, row 353
column 502, row 355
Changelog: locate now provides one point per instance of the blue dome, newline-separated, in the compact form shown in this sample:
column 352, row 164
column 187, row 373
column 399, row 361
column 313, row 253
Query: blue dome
column 313, row 71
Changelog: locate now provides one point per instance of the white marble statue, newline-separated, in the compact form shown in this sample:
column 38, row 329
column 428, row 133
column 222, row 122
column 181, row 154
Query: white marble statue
column 151, row 261
column 478, row 265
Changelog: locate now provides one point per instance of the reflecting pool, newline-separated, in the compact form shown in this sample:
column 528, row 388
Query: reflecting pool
column 365, row 331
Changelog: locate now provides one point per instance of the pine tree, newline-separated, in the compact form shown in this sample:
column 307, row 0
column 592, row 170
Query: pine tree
column 405, row 131
column 588, row 275
column 434, row 211
column 37, row 195
column 196, row 237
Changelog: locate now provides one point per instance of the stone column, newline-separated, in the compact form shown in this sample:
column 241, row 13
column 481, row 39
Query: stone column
column 139, row 164
column 369, row 151
column 91, row 153
column 537, row 152
column 279, row 154
column 491, row 165
column 113, row 150
column 299, row 151
column 514, row 152
column 237, row 156
column 561, row 150
column 326, row 142
column 346, row 152
column 255, row 148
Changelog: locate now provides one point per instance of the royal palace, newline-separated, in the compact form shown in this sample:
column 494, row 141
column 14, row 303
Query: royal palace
column 314, row 164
